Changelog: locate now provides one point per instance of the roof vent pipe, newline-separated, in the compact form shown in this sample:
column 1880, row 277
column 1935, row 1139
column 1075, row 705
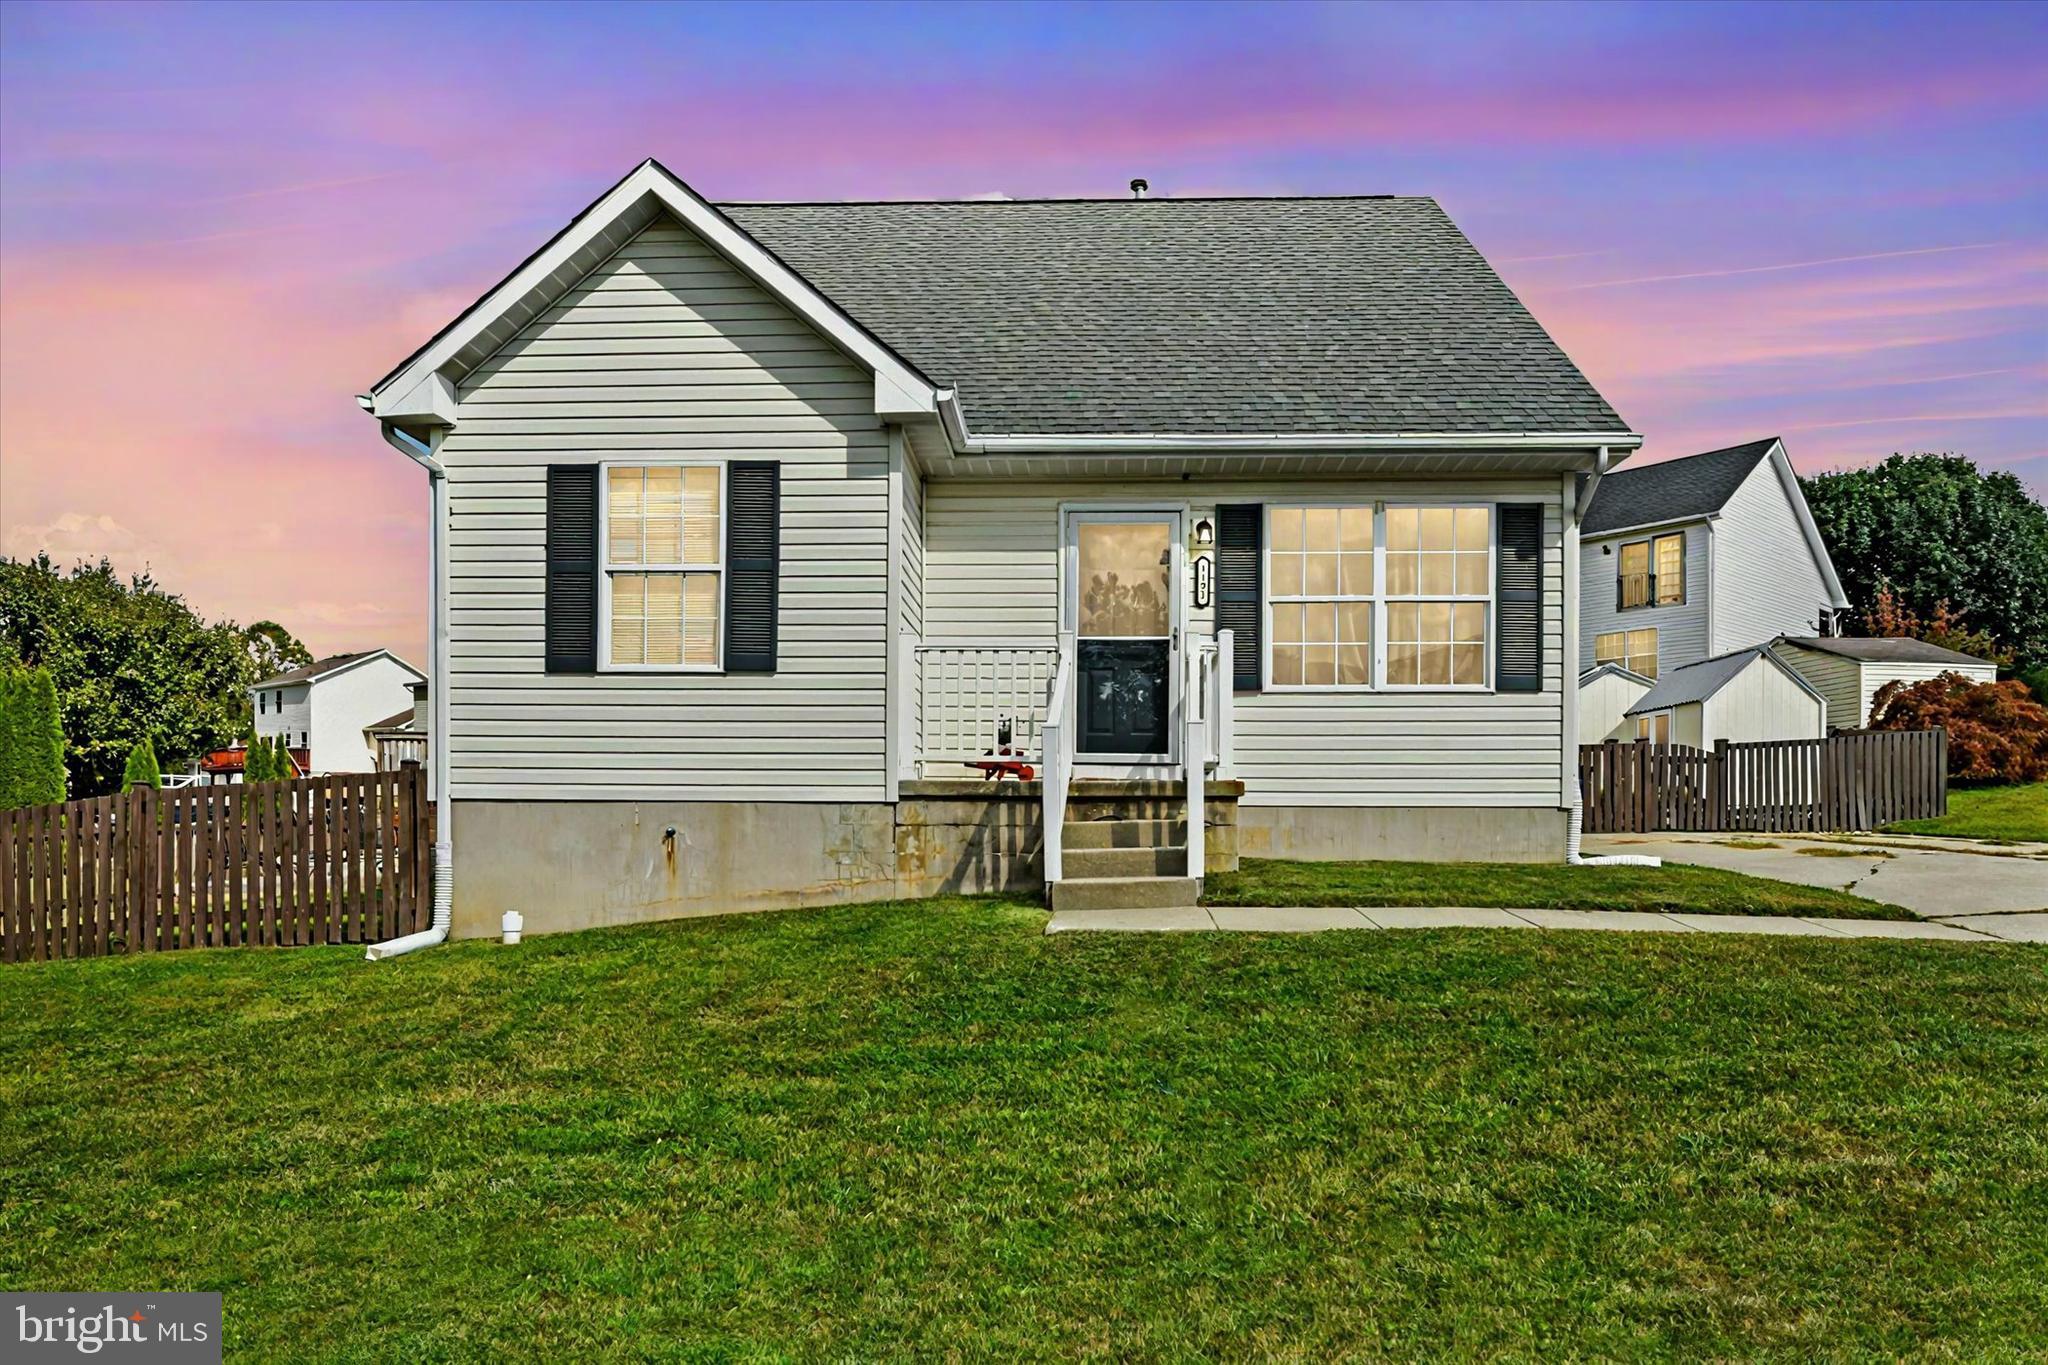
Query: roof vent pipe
column 1140, row 188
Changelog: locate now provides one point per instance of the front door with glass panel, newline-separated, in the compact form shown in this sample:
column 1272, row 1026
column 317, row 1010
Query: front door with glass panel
column 1124, row 608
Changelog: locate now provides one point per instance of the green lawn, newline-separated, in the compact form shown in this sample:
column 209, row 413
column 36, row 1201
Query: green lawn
column 927, row 1129
column 1535, row 886
column 2007, row 814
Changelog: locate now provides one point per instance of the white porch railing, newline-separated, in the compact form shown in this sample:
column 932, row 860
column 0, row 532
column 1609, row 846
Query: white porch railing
column 957, row 697
column 963, row 693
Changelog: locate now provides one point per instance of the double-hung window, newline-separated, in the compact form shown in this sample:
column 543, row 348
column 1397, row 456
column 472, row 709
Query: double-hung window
column 664, row 563
column 1652, row 572
column 1320, row 578
column 1439, row 585
column 1395, row 597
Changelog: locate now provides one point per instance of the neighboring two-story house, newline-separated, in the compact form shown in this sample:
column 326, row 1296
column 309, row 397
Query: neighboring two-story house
column 322, row 709
column 1687, row 563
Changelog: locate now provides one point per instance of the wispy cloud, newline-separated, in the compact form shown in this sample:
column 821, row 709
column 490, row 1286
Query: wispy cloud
column 1784, row 265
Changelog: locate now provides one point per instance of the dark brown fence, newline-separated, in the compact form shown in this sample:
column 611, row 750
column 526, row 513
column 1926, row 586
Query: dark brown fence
column 337, row 859
column 1860, row 780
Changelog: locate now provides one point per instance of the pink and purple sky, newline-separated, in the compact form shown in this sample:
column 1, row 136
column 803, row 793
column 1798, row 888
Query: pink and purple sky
column 219, row 223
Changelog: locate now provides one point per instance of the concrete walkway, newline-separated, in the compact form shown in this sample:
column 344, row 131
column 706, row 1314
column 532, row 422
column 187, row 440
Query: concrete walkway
column 1312, row 919
column 1940, row 883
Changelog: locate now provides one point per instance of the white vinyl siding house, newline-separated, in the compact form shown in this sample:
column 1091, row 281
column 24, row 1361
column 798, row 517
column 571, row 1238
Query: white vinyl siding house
column 321, row 710
column 1754, row 564
column 940, row 417
column 666, row 352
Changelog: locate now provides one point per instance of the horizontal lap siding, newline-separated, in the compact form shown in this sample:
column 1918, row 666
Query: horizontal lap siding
column 1834, row 677
column 992, row 573
column 668, row 352
column 1766, row 582
column 1681, row 629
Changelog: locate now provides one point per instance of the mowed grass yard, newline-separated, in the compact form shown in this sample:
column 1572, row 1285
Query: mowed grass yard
column 925, row 1129
column 2007, row 814
column 1533, row 886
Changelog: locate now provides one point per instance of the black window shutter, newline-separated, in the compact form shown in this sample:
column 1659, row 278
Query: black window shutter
column 753, row 553
column 571, row 626
column 1240, row 570
column 1518, row 598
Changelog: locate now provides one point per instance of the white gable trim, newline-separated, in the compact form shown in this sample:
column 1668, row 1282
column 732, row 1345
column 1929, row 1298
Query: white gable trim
column 900, row 391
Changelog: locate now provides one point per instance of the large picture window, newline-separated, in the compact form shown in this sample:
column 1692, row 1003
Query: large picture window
column 664, row 557
column 1395, row 598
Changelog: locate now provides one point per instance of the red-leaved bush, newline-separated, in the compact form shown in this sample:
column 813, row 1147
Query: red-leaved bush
column 1997, row 732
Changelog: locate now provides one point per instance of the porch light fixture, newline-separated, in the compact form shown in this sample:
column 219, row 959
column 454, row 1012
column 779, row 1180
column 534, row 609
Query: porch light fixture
column 1205, row 534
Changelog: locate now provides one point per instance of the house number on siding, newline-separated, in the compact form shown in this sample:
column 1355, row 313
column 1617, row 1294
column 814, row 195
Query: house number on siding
column 1205, row 579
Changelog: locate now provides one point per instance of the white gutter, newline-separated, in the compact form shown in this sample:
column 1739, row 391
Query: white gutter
column 966, row 443
column 422, row 454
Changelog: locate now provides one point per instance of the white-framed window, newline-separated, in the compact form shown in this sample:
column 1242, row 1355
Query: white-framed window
column 1363, row 595
column 1320, row 576
column 1439, row 595
column 661, row 601
column 1656, row 728
column 1651, row 573
column 1635, row 650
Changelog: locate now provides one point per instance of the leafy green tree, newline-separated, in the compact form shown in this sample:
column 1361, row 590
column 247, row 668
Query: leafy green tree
column 142, row 770
column 273, row 650
column 31, row 740
column 131, row 660
column 1935, row 529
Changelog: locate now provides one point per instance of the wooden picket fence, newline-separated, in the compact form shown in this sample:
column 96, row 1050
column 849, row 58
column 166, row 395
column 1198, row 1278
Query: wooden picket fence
column 1857, row 780
column 345, row 858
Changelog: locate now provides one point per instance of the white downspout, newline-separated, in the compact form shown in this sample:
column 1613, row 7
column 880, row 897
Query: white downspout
column 437, row 710
column 1577, row 816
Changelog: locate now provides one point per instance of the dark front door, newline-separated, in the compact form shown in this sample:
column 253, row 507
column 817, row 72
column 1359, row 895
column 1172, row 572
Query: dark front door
column 1123, row 613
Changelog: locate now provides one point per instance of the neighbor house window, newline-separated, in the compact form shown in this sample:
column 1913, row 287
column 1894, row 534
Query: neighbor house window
column 1635, row 650
column 1320, row 580
column 664, row 559
column 1416, row 581
column 1652, row 572
column 1656, row 729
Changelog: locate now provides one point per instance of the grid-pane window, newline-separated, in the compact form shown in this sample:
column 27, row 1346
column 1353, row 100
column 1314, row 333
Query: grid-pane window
column 1669, row 555
column 1439, row 586
column 1320, row 580
column 1635, row 650
column 1635, row 575
column 664, row 552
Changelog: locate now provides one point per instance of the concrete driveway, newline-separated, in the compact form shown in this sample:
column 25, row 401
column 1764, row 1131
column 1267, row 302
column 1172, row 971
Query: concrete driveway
column 1954, row 882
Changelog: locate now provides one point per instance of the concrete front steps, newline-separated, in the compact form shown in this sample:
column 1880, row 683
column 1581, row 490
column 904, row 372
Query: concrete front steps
column 1119, row 862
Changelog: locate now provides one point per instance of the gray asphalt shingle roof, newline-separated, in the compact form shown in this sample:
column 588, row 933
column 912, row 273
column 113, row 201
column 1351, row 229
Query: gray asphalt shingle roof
column 307, row 672
column 1691, row 486
column 1197, row 316
column 1882, row 650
